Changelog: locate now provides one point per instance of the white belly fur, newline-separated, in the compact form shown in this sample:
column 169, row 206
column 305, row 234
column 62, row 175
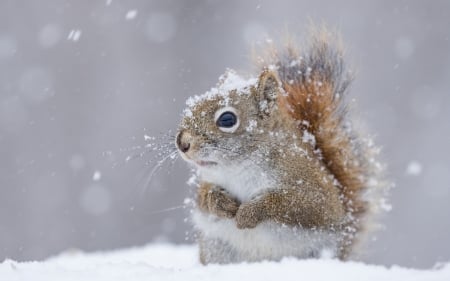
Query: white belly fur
column 267, row 240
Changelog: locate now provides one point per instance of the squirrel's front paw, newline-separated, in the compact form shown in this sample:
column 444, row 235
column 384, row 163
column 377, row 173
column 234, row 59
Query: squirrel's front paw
column 249, row 215
column 217, row 201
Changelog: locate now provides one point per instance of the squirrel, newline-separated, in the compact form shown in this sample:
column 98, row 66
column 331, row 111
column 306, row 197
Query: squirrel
column 282, row 172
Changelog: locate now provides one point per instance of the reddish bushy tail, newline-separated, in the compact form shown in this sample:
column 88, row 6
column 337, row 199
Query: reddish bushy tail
column 316, row 80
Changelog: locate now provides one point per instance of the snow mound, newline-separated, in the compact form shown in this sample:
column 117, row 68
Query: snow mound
column 170, row 262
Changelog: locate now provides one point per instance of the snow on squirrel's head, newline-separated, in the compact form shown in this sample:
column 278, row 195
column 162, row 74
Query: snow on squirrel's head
column 228, row 122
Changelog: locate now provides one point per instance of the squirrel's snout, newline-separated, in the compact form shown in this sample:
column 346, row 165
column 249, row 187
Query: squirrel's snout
column 182, row 142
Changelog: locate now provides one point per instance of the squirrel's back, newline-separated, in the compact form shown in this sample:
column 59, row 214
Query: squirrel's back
column 315, row 80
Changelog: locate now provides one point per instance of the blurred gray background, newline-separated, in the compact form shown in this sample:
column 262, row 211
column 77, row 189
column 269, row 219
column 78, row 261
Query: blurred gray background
column 82, row 83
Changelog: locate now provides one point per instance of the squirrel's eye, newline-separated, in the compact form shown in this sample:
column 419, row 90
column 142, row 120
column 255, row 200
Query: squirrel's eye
column 227, row 120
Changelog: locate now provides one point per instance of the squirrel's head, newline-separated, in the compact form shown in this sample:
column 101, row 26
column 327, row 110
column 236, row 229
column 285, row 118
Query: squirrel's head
column 231, row 121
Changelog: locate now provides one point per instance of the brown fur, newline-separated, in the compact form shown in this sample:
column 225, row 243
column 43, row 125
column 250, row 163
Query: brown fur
column 215, row 200
column 315, row 88
column 318, row 186
column 322, row 109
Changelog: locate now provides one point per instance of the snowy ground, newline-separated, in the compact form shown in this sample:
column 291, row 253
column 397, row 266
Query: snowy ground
column 168, row 262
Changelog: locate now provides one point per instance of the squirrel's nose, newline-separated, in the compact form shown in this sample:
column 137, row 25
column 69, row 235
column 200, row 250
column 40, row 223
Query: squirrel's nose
column 182, row 143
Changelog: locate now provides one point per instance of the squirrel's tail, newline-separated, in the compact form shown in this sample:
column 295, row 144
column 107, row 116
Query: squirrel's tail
column 316, row 80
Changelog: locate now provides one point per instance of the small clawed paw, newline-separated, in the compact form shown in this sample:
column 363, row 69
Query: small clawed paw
column 247, row 216
column 221, row 204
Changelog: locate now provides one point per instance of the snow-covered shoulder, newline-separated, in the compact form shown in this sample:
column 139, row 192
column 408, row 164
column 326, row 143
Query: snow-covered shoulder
column 170, row 262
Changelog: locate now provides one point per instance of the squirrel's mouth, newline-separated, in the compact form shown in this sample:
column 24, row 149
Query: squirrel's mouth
column 203, row 163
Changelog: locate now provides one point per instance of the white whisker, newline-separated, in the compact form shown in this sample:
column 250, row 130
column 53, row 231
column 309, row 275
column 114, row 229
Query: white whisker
column 167, row 209
column 158, row 165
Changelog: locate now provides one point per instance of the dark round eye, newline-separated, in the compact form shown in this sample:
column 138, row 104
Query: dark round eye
column 227, row 120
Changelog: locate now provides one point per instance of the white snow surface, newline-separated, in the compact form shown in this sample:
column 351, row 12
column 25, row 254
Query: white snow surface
column 169, row 262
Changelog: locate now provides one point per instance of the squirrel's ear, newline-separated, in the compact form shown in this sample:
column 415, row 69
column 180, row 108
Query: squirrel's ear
column 268, row 85
column 268, row 90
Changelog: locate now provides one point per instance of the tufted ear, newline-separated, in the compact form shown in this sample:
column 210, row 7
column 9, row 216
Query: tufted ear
column 268, row 90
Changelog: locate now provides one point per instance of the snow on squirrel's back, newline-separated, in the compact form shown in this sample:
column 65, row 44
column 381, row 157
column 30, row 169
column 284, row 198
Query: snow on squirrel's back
column 169, row 262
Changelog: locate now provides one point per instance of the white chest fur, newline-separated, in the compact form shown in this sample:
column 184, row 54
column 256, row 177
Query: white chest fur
column 244, row 180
